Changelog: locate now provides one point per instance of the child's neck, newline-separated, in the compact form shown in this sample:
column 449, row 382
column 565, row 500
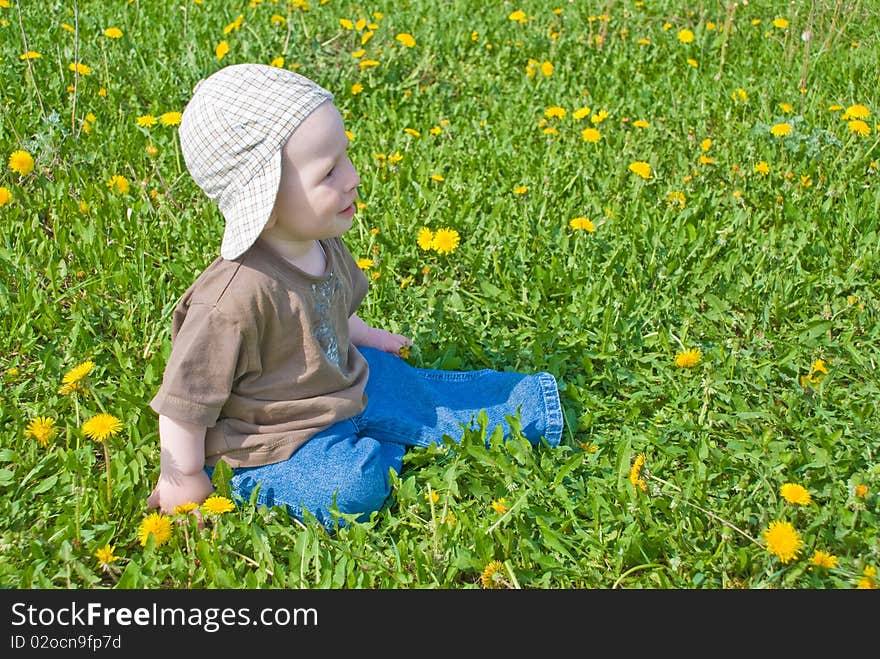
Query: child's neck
column 308, row 256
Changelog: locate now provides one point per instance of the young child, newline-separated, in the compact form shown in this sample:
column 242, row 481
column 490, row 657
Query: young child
column 271, row 369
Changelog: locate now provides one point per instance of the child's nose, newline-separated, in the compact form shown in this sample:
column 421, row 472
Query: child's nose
column 354, row 177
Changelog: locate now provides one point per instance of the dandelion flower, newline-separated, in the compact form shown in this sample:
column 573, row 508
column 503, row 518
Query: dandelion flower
column 781, row 129
column 5, row 196
column 157, row 525
column 356, row 89
column 445, row 241
column 794, row 493
column 555, row 112
column 685, row 36
column 426, row 238
column 641, row 123
column 221, row 49
column 368, row 64
column 101, row 426
column 21, row 162
column 688, row 358
column 823, row 559
column 861, row 491
column 217, row 505
column 781, row 23
column 591, row 135
column 406, row 39
column 80, row 68
column 547, row 69
column 41, row 428
column 365, row 264
column 412, row 131
column 783, row 541
column 118, row 183
column 635, row 473
column 31, row 54
column 762, row 168
column 641, row 168
column 78, row 372
column 432, row 496
column 171, row 118
column 519, row 16
column 855, row 112
column 520, row 189
column 859, row 127
column 146, row 121
column 869, row 579
column 582, row 224
column 113, row 33
column 437, row 177
column 676, row 198
column 499, row 506
column 186, row 508
column 106, row 556
column 492, row 577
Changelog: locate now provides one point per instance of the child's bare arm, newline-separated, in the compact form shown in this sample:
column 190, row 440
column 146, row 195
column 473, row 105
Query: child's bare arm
column 182, row 477
column 362, row 334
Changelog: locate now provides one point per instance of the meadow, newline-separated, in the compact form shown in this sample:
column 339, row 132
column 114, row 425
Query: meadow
column 671, row 206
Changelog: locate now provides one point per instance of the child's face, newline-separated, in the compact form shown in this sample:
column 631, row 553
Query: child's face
column 318, row 184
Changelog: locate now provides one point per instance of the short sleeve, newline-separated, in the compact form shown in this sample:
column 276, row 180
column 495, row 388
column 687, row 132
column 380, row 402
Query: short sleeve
column 208, row 353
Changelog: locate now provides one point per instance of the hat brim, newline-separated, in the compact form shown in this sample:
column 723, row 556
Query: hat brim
column 247, row 214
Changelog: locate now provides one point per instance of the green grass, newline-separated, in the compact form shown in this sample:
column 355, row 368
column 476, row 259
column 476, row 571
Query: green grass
column 764, row 274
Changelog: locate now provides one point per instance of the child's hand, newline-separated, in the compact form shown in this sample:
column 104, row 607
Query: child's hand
column 396, row 344
column 171, row 492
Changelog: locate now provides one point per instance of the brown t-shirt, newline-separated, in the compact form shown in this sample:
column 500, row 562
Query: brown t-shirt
column 261, row 354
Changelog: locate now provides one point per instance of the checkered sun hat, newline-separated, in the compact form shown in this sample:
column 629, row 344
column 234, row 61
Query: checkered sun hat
column 231, row 135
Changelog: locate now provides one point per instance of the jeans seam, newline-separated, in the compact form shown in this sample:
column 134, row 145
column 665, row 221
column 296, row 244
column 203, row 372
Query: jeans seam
column 552, row 408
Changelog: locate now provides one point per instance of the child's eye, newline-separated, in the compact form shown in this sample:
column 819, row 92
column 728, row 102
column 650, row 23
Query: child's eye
column 330, row 173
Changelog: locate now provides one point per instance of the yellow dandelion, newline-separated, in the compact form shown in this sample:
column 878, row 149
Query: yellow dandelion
column 406, row 39
column 365, row 264
column 762, row 168
column 78, row 372
column 869, row 579
column 676, row 198
column 783, row 541
column 146, row 121
column 555, row 112
column 80, row 68
column 234, row 25
column 781, row 23
column 171, row 118
column 221, row 49
column 356, row 89
column 277, row 62
column 499, row 506
column 688, row 358
column 786, row 107
column 492, row 576
column 580, row 113
column 692, row 62
column 857, row 111
column 641, row 123
column 368, row 64
column 105, row 555
column 794, row 493
column 432, row 496
column 346, row 24
column 706, row 160
column 31, row 54
column 740, row 95
column 113, row 33
column 706, row 144
column 101, row 426
column 685, row 36
column 119, row 183
column 157, row 525
column 426, row 238
column 412, row 131
column 781, row 129
column 519, row 16
column 5, row 196
column 186, row 508
column 641, row 169
column 41, row 428
column 861, row 491
column 21, row 162
column 591, row 135
column 217, row 505
column 859, row 127
column 520, row 189
column 823, row 559
column 582, row 224
column 547, row 69
column 445, row 241
column 635, row 473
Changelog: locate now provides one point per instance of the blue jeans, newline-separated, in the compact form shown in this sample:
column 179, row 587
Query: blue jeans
column 347, row 464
